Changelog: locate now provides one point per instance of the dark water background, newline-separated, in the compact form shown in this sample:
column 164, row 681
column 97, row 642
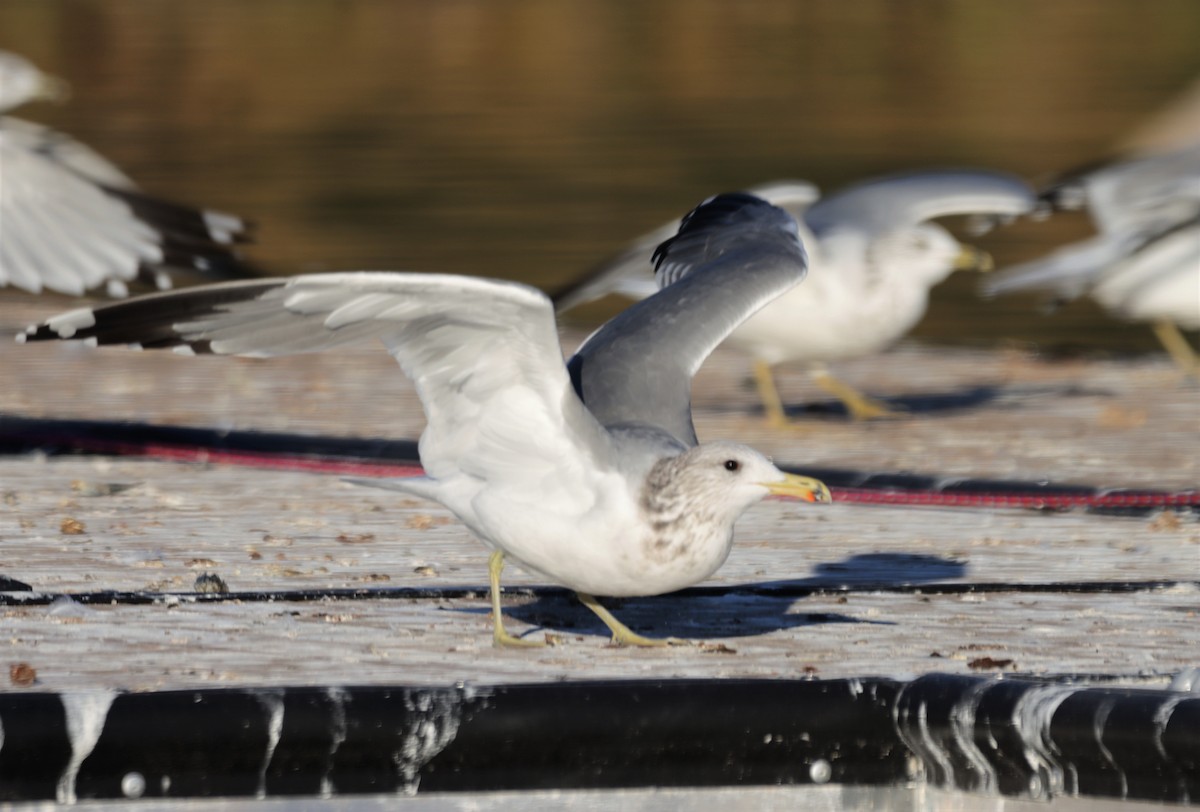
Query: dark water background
column 527, row 140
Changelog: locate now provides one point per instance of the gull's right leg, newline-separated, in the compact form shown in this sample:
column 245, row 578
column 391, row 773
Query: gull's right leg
column 500, row 636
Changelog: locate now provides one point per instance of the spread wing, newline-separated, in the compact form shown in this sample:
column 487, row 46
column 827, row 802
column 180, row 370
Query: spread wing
column 484, row 355
column 888, row 203
column 627, row 273
column 70, row 221
column 732, row 255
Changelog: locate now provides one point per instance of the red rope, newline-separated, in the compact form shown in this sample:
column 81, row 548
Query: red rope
column 1016, row 499
column 278, row 462
column 870, row 496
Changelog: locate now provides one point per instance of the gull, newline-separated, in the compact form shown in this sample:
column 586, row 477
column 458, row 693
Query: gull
column 873, row 258
column 71, row 221
column 1143, row 264
column 588, row 474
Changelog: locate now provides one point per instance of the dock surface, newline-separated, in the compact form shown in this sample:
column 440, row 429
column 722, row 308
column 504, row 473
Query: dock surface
column 824, row 591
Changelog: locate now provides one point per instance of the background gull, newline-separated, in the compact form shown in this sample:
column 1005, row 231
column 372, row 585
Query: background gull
column 588, row 474
column 873, row 259
column 1143, row 264
column 71, row 221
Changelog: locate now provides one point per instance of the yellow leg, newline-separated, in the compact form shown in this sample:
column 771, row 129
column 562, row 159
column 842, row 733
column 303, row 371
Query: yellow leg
column 622, row 634
column 769, row 394
column 861, row 407
column 500, row 636
column 1175, row 344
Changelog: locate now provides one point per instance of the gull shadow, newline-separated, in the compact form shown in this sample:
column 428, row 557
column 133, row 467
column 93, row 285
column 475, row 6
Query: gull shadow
column 686, row 616
column 739, row 610
column 881, row 570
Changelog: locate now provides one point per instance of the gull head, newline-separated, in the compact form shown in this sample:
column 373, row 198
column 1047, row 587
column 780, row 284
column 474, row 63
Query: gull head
column 927, row 254
column 21, row 81
column 689, row 504
column 715, row 483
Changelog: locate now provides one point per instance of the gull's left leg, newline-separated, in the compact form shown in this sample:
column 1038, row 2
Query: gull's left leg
column 860, row 406
column 622, row 634
column 1177, row 346
column 500, row 636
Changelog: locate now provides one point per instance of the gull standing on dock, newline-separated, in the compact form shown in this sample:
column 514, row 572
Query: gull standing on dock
column 873, row 259
column 71, row 221
column 590, row 473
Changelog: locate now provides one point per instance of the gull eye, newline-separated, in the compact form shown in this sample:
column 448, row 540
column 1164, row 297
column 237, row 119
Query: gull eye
column 732, row 465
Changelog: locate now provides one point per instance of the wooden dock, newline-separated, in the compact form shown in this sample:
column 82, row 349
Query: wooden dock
column 85, row 524
column 829, row 592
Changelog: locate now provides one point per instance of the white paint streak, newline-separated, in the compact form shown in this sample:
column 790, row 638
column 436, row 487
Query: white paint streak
column 1098, row 723
column 339, row 698
column 930, row 747
column 434, row 718
column 1162, row 718
column 272, row 702
column 85, row 713
column 962, row 727
column 1031, row 718
column 1186, row 680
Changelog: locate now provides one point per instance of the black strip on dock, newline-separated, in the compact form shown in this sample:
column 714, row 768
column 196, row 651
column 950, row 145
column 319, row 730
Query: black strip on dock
column 1008, row 737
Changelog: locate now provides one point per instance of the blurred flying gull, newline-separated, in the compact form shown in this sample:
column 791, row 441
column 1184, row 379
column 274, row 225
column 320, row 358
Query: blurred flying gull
column 1143, row 264
column 873, row 258
column 588, row 474
column 71, row 221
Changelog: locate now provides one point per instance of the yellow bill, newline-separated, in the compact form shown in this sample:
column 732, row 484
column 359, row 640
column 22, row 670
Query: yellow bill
column 800, row 487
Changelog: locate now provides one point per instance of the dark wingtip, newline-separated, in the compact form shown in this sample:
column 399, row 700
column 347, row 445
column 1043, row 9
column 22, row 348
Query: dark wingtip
column 716, row 211
column 194, row 241
column 151, row 321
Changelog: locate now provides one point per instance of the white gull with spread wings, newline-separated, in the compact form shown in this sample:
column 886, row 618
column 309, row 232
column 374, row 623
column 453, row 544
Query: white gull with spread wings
column 589, row 473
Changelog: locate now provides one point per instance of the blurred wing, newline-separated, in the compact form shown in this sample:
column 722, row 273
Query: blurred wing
column 1068, row 272
column 65, row 151
column 1127, row 264
column 628, row 272
column 484, row 355
column 732, row 255
column 793, row 196
column 70, row 221
column 1151, row 194
column 898, row 201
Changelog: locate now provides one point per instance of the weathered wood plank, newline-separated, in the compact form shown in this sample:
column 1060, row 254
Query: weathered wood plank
column 1103, row 422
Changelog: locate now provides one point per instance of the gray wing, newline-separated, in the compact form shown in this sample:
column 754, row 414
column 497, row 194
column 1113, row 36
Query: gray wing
column 732, row 255
column 888, row 203
column 70, row 221
column 628, row 272
column 484, row 356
